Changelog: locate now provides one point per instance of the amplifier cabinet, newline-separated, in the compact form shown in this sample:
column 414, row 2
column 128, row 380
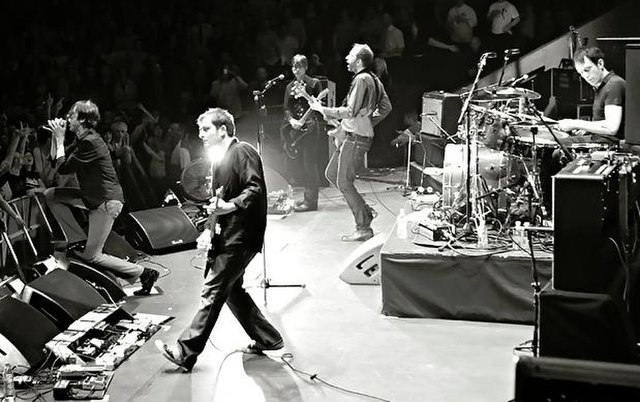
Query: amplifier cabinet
column 440, row 109
column 586, row 217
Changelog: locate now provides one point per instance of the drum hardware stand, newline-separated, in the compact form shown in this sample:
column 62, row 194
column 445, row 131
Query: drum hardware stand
column 507, row 54
column 258, row 98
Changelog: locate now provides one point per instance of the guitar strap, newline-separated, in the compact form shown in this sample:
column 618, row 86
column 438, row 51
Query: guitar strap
column 375, row 82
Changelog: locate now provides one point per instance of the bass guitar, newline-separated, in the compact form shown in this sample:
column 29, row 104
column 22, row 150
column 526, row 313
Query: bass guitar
column 337, row 132
column 291, row 136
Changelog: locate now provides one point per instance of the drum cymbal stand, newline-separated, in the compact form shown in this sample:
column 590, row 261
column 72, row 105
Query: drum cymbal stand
column 465, row 114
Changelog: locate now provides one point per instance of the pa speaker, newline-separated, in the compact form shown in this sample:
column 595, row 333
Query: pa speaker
column 23, row 333
column 103, row 281
column 588, row 326
column 362, row 267
column 161, row 230
column 440, row 110
column 62, row 296
column 542, row 379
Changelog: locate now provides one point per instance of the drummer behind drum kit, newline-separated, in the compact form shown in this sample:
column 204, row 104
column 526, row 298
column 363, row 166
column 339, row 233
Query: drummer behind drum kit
column 514, row 151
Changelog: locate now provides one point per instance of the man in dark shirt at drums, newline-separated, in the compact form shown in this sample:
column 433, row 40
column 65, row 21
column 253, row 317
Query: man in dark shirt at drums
column 607, row 123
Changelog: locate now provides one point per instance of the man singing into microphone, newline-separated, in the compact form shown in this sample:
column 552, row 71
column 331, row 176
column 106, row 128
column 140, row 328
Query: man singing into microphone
column 99, row 193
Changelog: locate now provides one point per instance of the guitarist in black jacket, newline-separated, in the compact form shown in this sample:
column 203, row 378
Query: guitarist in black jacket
column 301, row 130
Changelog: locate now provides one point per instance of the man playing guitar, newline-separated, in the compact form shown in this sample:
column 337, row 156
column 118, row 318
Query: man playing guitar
column 365, row 106
column 301, row 130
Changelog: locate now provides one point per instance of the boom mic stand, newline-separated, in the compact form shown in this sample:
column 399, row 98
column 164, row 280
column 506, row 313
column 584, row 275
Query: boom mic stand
column 466, row 112
column 258, row 98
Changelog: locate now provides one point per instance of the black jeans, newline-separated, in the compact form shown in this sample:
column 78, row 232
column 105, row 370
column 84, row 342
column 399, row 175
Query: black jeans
column 223, row 283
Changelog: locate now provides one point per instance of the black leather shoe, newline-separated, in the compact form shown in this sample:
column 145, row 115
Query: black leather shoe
column 304, row 207
column 147, row 279
column 173, row 353
column 256, row 348
column 358, row 235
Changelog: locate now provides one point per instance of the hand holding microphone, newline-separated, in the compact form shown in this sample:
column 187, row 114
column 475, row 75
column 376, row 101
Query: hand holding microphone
column 57, row 126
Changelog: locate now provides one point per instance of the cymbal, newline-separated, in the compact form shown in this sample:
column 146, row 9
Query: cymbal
column 543, row 136
column 486, row 95
column 517, row 92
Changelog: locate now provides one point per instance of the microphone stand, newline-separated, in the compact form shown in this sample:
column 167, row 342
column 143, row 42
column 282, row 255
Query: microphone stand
column 258, row 98
column 465, row 112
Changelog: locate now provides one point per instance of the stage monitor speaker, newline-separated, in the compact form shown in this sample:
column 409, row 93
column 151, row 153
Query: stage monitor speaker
column 161, row 230
column 440, row 109
column 632, row 95
column 362, row 267
column 62, row 296
column 587, row 326
column 586, row 217
column 544, row 379
column 23, row 333
column 101, row 280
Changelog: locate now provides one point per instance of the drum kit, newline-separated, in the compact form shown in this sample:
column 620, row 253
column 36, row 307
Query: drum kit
column 511, row 153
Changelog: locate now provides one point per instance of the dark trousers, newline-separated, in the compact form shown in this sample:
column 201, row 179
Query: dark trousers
column 223, row 283
column 310, row 149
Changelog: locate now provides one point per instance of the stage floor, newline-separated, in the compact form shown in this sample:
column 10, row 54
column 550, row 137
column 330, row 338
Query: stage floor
column 332, row 329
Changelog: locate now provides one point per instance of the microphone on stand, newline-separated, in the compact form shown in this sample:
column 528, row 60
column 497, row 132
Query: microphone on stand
column 511, row 52
column 490, row 55
column 519, row 80
column 274, row 80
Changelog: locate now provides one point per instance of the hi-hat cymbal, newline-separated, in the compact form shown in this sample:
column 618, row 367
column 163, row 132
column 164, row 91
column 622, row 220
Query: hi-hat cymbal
column 517, row 92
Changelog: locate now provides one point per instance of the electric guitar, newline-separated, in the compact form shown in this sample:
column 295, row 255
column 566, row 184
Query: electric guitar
column 291, row 136
column 337, row 132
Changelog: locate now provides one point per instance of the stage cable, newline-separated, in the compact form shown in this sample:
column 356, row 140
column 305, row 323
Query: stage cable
column 380, row 202
column 314, row 377
column 625, row 266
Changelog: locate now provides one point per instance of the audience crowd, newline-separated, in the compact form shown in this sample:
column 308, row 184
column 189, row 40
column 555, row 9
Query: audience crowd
column 153, row 66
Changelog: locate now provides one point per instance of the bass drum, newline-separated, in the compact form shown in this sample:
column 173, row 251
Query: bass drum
column 494, row 167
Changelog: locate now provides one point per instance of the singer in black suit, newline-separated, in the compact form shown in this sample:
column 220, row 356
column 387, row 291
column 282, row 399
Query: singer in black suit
column 236, row 235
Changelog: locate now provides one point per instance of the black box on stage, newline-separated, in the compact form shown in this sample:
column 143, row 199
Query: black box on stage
column 161, row 229
column 542, row 379
column 429, row 151
column 440, row 109
column 589, row 326
column 586, row 216
column 632, row 95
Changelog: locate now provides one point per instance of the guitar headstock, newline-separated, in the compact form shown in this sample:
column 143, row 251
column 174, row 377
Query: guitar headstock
column 299, row 90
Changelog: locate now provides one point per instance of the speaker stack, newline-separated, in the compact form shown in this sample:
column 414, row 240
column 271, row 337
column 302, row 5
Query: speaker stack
column 582, row 315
